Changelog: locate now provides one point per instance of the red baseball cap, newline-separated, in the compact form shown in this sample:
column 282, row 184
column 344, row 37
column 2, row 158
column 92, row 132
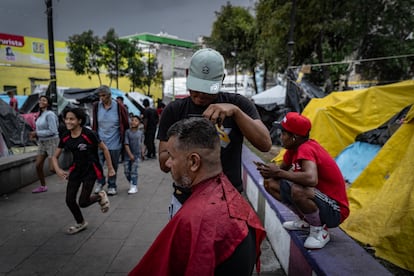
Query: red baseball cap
column 297, row 124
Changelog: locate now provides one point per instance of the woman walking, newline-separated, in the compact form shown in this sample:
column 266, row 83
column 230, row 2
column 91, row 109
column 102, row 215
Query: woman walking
column 48, row 137
column 85, row 169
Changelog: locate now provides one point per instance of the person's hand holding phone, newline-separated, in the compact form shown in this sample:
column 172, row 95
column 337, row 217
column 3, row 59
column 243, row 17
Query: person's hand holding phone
column 268, row 170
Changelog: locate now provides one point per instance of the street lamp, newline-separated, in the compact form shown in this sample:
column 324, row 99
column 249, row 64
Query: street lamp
column 173, row 71
column 150, row 75
column 234, row 54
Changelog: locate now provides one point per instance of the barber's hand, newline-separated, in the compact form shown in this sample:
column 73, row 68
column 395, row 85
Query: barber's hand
column 218, row 112
column 269, row 170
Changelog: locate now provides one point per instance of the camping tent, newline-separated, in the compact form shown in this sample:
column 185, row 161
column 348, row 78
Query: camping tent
column 14, row 131
column 382, row 196
column 339, row 117
column 88, row 96
column 271, row 97
column 382, row 199
column 139, row 98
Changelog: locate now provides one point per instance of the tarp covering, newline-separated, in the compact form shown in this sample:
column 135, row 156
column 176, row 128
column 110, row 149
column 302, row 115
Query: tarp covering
column 339, row 117
column 271, row 97
column 20, row 99
column 354, row 158
column 89, row 96
column 382, row 200
column 13, row 128
column 382, row 196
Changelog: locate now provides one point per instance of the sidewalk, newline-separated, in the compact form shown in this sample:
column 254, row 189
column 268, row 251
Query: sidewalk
column 33, row 239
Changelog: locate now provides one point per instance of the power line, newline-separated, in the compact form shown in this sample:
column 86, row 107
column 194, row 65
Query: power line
column 352, row 61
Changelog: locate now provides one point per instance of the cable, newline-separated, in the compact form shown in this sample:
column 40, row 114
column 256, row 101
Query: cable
column 353, row 61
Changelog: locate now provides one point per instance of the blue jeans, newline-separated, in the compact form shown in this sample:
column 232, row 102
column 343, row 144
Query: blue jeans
column 131, row 171
column 115, row 160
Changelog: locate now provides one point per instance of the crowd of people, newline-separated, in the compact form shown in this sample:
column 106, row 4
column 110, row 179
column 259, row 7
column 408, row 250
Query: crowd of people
column 200, row 144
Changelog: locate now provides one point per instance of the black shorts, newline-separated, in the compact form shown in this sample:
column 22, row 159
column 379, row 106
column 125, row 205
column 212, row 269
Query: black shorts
column 329, row 211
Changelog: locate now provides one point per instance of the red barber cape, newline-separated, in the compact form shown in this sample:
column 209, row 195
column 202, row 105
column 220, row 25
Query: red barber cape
column 204, row 232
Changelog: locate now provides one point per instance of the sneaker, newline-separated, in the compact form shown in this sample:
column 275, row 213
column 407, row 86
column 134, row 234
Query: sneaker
column 296, row 225
column 318, row 237
column 133, row 189
column 40, row 189
column 112, row 191
column 98, row 188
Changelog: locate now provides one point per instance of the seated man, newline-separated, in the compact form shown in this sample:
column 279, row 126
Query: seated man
column 216, row 232
column 308, row 181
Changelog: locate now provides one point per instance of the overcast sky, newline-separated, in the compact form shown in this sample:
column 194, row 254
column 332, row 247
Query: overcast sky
column 187, row 19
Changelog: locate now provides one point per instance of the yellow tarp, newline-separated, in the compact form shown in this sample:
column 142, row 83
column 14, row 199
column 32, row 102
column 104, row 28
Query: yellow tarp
column 381, row 198
column 339, row 117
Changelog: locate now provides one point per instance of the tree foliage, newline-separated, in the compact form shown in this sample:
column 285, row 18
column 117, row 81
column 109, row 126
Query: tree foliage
column 324, row 31
column 91, row 55
column 234, row 36
column 85, row 55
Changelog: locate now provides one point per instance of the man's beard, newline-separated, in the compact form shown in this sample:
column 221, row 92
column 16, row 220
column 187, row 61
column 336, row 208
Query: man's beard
column 184, row 182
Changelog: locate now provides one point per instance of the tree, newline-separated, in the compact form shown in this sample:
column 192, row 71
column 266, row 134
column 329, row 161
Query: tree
column 328, row 31
column 272, row 29
column 122, row 58
column 386, row 30
column 234, row 35
column 90, row 55
column 151, row 72
column 85, row 54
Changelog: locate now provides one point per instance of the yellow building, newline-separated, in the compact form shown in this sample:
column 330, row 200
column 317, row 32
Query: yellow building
column 24, row 64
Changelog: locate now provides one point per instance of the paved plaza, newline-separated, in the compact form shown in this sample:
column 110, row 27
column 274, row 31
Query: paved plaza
column 33, row 240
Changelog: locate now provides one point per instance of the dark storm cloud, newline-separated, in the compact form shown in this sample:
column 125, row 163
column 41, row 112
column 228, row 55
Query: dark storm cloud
column 186, row 19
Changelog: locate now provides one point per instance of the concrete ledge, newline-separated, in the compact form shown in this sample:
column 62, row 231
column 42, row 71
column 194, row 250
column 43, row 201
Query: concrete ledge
column 341, row 256
column 17, row 171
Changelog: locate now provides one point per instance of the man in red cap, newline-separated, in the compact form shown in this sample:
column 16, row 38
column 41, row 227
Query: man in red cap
column 308, row 181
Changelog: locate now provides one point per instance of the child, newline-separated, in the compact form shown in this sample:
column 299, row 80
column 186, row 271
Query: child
column 13, row 101
column 85, row 169
column 134, row 143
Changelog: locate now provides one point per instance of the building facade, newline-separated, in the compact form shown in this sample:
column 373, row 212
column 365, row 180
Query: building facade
column 24, row 62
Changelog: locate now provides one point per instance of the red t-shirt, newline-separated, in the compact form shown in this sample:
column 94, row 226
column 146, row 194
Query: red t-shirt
column 12, row 102
column 330, row 179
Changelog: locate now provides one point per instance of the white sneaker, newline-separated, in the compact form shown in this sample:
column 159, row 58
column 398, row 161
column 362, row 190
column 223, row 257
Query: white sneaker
column 296, row 225
column 318, row 237
column 98, row 188
column 111, row 191
column 133, row 189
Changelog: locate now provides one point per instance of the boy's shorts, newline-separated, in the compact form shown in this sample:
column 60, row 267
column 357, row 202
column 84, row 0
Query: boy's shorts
column 329, row 211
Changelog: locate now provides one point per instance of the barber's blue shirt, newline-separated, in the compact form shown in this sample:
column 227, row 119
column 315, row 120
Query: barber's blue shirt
column 108, row 126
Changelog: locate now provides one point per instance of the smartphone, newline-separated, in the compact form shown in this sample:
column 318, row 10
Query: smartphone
column 259, row 164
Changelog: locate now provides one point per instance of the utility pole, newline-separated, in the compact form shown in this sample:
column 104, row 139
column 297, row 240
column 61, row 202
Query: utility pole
column 52, row 66
column 291, row 42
